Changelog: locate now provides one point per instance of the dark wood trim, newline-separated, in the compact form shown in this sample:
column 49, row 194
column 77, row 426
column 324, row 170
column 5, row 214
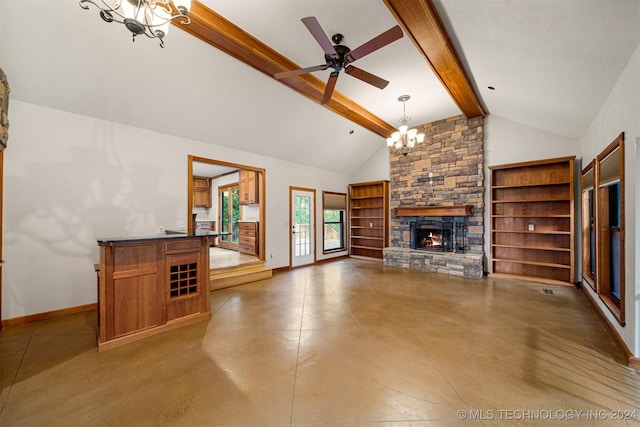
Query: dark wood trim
column 632, row 361
column 221, row 33
column 366, row 258
column 326, row 260
column 458, row 210
column 345, row 224
column 603, row 244
column 533, row 163
column 423, row 26
column 190, row 224
column 23, row 320
column 315, row 224
column 586, row 228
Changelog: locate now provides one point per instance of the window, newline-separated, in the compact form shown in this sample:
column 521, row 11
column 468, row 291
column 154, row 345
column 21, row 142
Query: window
column 333, row 218
column 610, row 227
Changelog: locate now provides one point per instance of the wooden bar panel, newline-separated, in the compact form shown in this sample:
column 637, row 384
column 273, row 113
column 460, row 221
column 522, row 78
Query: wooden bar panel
column 150, row 285
column 138, row 303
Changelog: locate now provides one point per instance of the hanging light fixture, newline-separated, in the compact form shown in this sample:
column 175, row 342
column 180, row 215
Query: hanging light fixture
column 148, row 17
column 404, row 139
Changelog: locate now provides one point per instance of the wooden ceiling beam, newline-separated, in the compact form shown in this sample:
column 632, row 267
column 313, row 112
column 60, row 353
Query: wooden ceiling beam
column 421, row 22
column 221, row 33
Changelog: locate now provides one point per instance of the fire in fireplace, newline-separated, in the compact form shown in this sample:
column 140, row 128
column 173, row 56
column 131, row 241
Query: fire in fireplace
column 437, row 236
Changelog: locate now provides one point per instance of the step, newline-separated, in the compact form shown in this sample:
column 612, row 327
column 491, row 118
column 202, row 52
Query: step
column 233, row 276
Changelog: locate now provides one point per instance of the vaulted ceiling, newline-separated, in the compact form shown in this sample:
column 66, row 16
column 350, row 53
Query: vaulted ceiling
column 552, row 64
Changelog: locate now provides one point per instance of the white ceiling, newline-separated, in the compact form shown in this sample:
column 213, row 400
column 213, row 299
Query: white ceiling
column 552, row 62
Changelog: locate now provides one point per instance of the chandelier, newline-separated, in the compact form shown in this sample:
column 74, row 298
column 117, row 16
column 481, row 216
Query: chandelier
column 404, row 139
column 148, row 17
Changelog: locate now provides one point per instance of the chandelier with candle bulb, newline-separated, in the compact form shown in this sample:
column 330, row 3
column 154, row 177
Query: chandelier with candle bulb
column 148, row 17
column 405, row 139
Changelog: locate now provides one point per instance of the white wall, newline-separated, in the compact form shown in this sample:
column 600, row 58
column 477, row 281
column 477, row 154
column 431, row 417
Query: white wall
column 70, row 179
column 621, row 113
column 376, row 168
column 511, row 142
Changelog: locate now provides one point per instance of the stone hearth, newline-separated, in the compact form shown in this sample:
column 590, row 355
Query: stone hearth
column 442, row 180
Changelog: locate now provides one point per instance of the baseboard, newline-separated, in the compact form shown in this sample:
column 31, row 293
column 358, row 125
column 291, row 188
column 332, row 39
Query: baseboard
column 632, row 361
column 16, row 321
column 316, row 262
column 366, row 258
column 326, row 260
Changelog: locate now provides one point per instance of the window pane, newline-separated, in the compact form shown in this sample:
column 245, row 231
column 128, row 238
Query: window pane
column 333, row 229
column 302, row 238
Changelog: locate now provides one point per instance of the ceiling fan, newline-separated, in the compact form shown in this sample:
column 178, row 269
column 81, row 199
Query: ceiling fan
column 340, row 57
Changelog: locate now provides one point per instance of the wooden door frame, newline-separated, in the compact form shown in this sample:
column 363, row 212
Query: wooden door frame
column 315, row 225
column 221, row 189
column 262, row 195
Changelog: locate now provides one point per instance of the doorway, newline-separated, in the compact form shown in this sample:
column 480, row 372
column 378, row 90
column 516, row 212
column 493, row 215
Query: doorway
column 302, row 220
column 230, row 214
column 213, row 168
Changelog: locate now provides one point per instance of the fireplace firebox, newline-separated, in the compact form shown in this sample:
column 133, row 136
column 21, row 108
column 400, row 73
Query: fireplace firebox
column 438, row 236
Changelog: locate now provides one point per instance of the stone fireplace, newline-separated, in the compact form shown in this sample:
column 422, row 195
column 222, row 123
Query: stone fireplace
column 437, row 201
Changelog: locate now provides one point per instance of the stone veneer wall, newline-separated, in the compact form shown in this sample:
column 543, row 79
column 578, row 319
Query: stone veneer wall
column 453, row 153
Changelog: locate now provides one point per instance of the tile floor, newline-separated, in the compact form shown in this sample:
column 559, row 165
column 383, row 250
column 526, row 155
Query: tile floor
column 348, row 343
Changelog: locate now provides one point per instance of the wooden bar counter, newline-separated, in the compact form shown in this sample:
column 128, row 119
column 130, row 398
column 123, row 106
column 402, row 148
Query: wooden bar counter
column 147, row 285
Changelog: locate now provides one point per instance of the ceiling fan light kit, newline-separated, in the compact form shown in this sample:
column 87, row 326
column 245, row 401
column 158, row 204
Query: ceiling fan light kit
column 405, row 139
column 339, row 57
column 148, row 17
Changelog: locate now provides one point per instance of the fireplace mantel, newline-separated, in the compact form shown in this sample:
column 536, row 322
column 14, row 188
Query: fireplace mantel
column 457, row 210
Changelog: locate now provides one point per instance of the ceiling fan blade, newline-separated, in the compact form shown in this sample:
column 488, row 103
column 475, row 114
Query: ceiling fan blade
column 318, row 33
column 366, row 77
column 331, row 84
column 286, row 74
column 375, row 43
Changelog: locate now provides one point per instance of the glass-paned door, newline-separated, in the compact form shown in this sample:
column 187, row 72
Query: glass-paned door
column 302, row 227
column 229, row 208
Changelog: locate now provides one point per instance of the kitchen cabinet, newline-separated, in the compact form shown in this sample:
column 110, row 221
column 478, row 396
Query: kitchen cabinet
column 369, row 218
column 532, row 220
column 248, row 238
column 201, row 192
column 248, row 187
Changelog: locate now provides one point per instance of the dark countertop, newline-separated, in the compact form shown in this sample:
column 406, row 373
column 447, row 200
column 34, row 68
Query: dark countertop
column 168, row 235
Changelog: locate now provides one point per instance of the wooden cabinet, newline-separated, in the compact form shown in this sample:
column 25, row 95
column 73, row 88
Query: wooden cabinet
column 248, row 187
column 369, row 218
column 248, row 238
column 146, row 286
column 201, row 192
column 532, row 220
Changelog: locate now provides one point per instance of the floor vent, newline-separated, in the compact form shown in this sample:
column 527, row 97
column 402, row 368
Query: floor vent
column 548, row 291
